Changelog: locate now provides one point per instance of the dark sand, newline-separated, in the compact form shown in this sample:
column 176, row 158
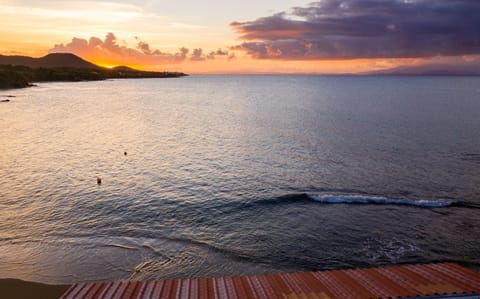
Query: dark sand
column 19, row 289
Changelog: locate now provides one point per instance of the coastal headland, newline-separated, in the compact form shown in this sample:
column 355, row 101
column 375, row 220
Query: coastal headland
column 24, row 71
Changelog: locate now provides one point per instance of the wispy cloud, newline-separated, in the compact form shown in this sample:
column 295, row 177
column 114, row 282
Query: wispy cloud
column 24, row 22
column 184, row 26
column 351, row 29
column 84, row 11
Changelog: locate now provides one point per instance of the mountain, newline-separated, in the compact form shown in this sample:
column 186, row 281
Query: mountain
column 54, row 60
column 432, row 70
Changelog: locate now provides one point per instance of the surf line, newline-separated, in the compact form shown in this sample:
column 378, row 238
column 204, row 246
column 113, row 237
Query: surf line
column 361, row 199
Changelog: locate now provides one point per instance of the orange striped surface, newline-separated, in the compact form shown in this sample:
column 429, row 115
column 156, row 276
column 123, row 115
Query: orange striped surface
column 386, row 282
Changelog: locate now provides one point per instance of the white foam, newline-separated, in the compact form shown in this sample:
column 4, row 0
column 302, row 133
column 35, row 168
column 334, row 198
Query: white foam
column 362, row 199
column 122, row 246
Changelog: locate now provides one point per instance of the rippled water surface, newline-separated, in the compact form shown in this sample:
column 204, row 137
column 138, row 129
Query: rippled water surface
column 237, row 174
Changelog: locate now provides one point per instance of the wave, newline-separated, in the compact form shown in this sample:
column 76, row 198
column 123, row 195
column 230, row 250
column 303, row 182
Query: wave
column 377, row 200
column 122, row 246
column 359, row 199
column 334, row 198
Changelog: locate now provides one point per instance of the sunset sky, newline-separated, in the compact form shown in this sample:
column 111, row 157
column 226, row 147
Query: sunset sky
column 282, row 36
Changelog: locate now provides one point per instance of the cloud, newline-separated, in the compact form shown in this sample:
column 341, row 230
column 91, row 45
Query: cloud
column 96, row 12
column 109, row 49
column 112, row 51
column 350, row 29
column 183, row 26
column 198, row 55
column 219, row 52
column 144, row 47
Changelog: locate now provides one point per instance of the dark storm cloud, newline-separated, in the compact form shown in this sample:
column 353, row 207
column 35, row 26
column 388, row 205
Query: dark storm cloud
column 348, row 29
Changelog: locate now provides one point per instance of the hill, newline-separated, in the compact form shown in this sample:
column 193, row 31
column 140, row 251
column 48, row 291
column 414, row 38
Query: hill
column 53, row 60
column 21, row 71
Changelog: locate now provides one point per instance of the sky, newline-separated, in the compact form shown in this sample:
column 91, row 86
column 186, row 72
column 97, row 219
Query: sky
column 282, row 36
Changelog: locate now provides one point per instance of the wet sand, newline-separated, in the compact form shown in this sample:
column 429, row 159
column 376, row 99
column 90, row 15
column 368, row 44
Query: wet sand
column 19, row 289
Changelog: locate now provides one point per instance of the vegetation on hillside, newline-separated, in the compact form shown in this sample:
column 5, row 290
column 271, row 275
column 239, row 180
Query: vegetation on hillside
column 11, row 79
column 16, row 76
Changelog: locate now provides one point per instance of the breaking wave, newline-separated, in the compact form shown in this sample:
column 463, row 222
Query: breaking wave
column 362, row 199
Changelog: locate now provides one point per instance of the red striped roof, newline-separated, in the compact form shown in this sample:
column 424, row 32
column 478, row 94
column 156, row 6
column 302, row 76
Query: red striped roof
column 386, row 282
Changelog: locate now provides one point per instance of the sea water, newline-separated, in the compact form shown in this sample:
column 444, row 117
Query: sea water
column 230, row 175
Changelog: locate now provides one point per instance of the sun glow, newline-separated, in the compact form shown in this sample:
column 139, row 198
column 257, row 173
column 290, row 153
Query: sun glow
column 163, row 36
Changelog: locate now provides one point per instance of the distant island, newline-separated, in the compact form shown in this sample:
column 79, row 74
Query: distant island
column 23, row 71
column 429, row 70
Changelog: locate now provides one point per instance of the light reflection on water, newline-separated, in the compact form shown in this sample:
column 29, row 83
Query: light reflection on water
column 216, row 167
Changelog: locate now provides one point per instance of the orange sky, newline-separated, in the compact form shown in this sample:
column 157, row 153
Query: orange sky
column 151, row 35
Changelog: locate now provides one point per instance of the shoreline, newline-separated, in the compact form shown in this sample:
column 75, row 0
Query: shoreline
column 21, row 289
column 17, row 76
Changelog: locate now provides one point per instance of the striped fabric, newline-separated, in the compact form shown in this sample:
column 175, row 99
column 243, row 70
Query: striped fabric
column 386, row 282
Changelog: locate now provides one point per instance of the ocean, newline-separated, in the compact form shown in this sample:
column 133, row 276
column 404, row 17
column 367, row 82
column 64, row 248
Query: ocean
column 230, row 175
